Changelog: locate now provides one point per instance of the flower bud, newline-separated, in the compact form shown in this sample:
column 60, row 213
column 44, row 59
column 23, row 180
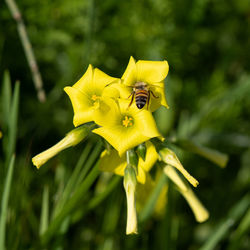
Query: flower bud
column 142, row 150
column 132, row 158
column 129, row 183
column 200, row 212
column 169, row 157
column 72, row 138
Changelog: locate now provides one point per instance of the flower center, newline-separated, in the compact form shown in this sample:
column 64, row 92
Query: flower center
column 95, row 97
column 127, row 121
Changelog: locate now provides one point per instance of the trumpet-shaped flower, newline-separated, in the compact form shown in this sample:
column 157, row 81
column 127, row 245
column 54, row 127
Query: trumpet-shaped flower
column 152, row 73
column 112, row 162
column 124, row 128
column 74, row 137
column 87, row 92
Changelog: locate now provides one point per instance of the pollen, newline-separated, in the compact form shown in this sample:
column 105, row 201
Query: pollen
column 127, row 122
column 95, row 97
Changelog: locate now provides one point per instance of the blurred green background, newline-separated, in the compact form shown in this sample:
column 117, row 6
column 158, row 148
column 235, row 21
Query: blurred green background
column 206, row 43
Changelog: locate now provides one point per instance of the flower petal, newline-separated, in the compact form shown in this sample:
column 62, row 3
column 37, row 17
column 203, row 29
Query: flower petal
column 145, row 122
column 124, row 91
column 160, row 99
column 130, row 75
column 82, row 106
column 100, row 79
column 141, row 175
column 108, row 114
column 121, row 138
column 151, row 71
column 112, row 162
column 86, row 79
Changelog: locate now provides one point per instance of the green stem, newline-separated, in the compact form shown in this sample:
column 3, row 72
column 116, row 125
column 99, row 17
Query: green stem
column 36, row 76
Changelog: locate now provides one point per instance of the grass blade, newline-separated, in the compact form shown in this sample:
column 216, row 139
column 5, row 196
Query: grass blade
column 44, row 220
column 213, row 155
column 72, row 203
column 6, row 98
column 4, row 203
column 234, row 215
column 73, row 180
column 13, row 116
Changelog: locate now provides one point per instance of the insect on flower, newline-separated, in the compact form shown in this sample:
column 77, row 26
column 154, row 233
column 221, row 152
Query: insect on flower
column 141, row 93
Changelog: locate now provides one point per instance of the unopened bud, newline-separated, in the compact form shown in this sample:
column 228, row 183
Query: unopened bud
column 72, row 138
column 130, row 187
column 169, row 157
column 132, row 158
column 142, row 150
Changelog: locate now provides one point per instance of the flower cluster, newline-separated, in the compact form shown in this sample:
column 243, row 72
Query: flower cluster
column 120, row 110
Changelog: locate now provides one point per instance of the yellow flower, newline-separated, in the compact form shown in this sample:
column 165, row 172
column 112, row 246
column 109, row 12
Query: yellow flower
column 86, row 93
column 152, row 73
column 124, row 128
column 1, row 134
column 112, row 162
column 169, row 157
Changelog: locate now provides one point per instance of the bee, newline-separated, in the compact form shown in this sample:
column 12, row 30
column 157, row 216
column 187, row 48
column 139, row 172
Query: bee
column 141, row 93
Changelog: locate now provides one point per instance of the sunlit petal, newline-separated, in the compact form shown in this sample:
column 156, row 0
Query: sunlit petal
column 82, row 106
column 130, row 75
column 100, row 79
column 145, row 122
column 151, row 71
column 157, row 96
column 86, row 79
column 121, row 138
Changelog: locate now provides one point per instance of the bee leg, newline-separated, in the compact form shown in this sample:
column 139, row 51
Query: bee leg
column 132, row 98
column 132, row 93
column 153, row 94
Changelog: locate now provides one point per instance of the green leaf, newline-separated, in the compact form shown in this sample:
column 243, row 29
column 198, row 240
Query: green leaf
column 6, row 98
column 71, row 204
column 4, row 202
column 223, row 229
column 72, row 180
column 44, row 220
column 13, row 116
column 214, row 156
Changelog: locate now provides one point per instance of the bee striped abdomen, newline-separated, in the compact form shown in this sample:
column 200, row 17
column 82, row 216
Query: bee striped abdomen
column 141, row 97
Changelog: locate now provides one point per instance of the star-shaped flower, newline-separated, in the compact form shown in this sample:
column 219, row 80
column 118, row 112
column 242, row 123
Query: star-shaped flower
column 149, row 73
column 87, row 92
column 124, row 128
